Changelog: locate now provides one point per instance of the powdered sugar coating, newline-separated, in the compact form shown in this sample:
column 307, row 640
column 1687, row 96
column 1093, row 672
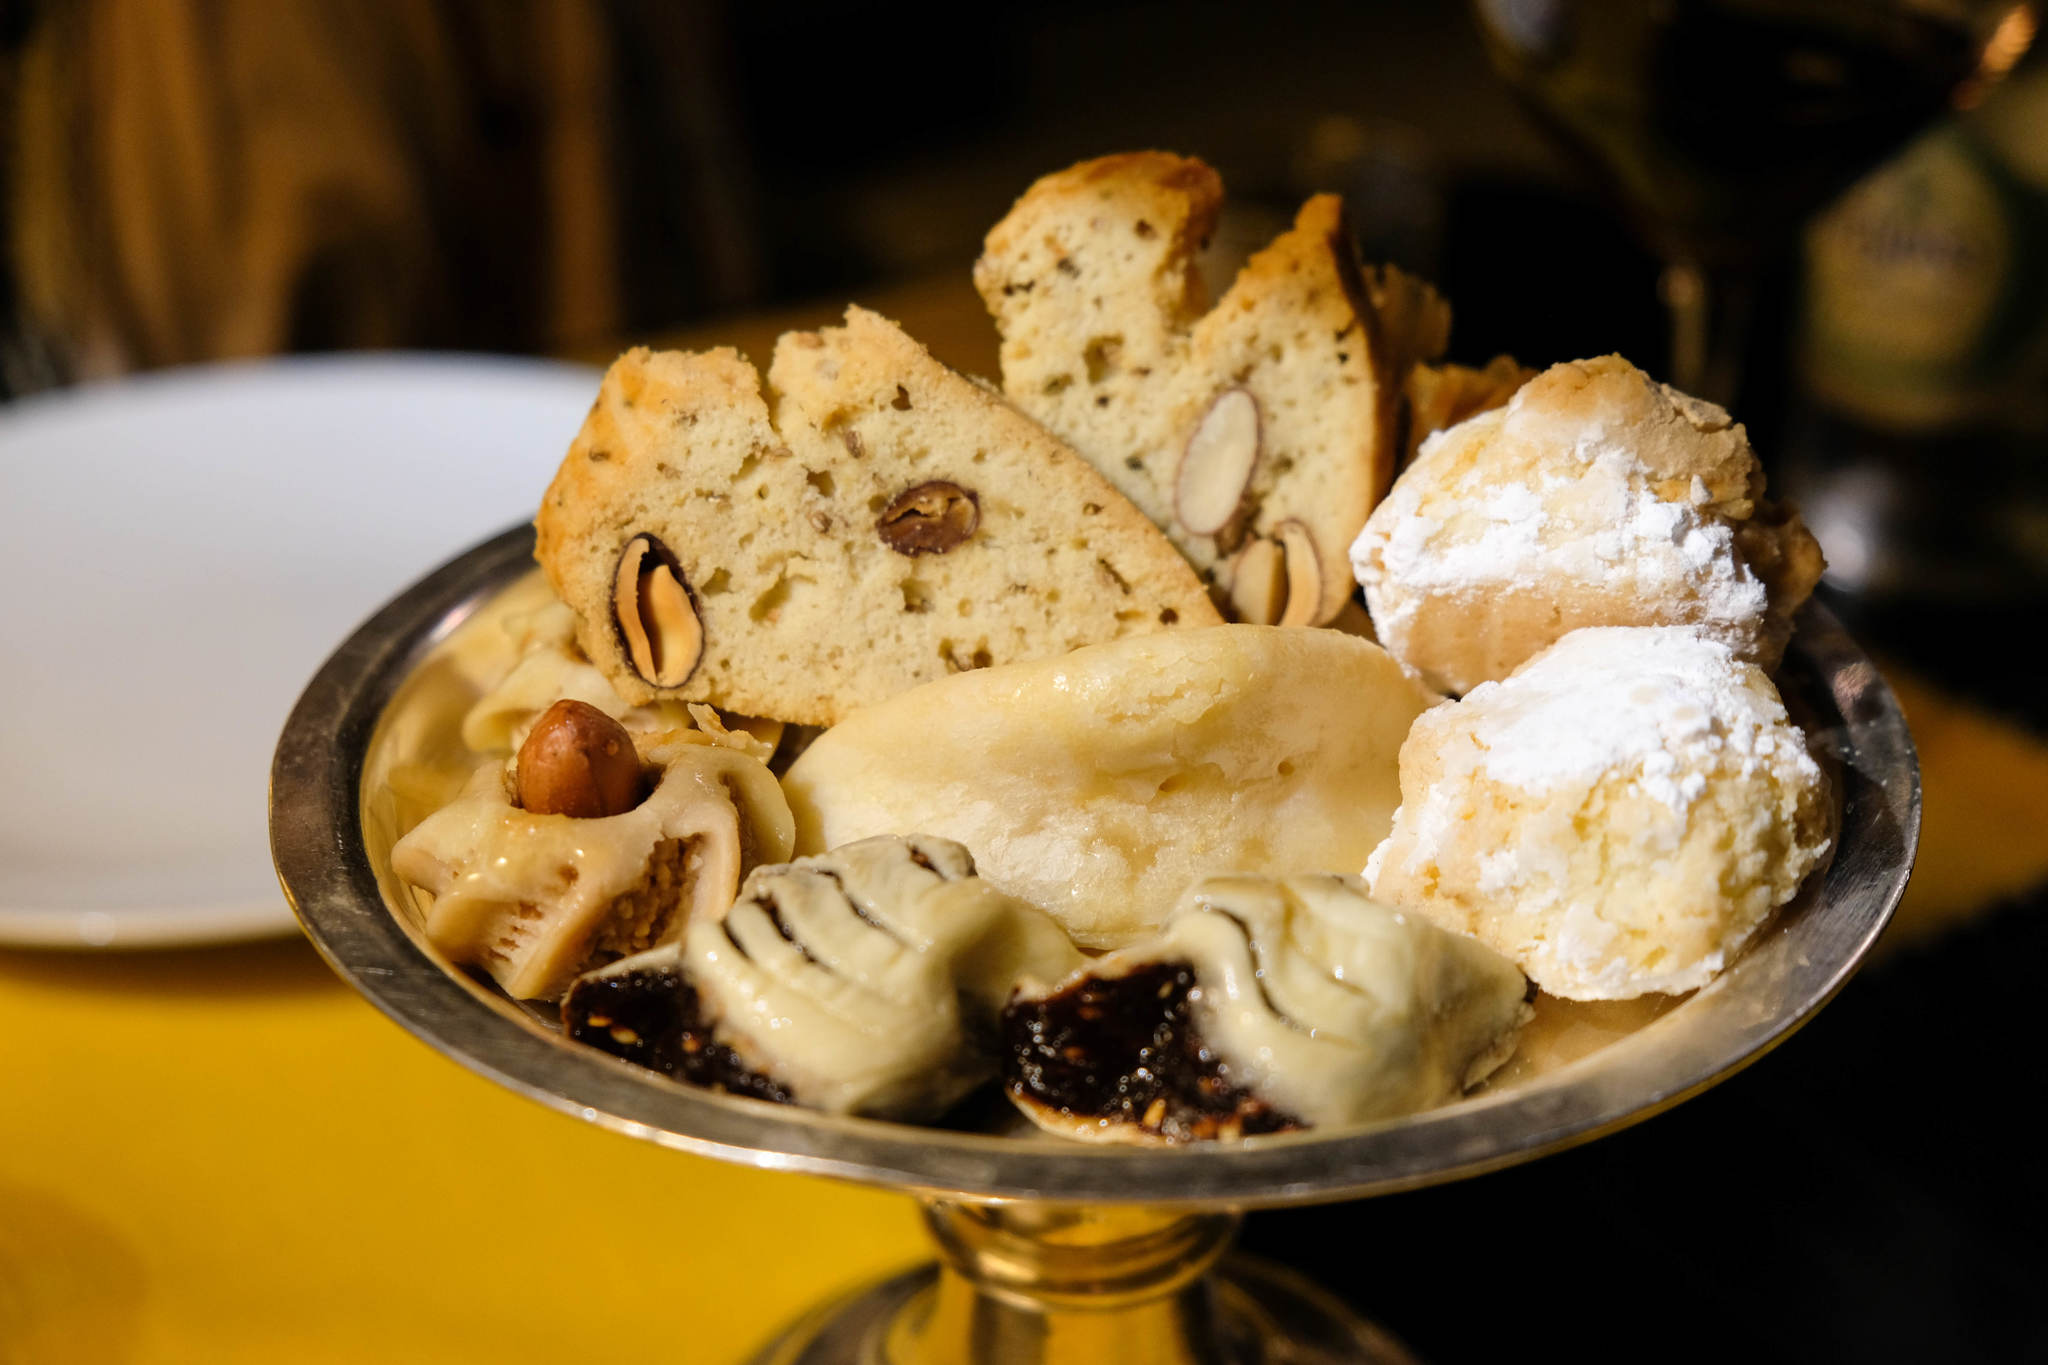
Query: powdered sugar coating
column 1597, row 496
column 1618, row 816
column 1653, row 706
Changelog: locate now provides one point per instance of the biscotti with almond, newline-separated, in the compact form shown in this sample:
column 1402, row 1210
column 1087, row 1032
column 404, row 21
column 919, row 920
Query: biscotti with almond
column 886, row 522
column 1258, row 434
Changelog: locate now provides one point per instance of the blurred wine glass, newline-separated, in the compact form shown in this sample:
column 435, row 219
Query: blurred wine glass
column 1719, row 125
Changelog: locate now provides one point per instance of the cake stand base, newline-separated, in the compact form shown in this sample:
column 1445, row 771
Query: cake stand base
column 1027, row 1285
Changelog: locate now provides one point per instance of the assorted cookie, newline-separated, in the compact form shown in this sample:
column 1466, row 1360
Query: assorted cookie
column 1102, row 783
column 1057, row 820
column 865, row 981
column 1595, row 497
column 590, row 845
column 1262, row 1006
column 1258, row 433
column 1618, row 816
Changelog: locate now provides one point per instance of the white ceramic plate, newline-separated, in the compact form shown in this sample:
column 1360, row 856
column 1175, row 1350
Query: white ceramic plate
column 178, row 554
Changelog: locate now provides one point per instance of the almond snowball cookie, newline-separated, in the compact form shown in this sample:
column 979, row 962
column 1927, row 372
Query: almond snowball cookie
column 1618, row 817
column 1596, row 497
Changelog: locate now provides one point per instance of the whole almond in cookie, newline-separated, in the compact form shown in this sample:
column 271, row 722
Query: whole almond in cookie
column 1216, row 465
column 657, row 621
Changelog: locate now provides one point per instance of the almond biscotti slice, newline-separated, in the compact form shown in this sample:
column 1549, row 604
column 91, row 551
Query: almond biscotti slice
column 1258, row 435
column 902, row 523
column 1092, row 282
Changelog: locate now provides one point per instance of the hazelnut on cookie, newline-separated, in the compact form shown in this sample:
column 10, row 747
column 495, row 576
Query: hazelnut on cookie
column 590, row 844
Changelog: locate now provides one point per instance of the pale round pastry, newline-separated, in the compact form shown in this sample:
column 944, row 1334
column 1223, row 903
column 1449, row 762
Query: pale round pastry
column 1618, row 817
column 1596, row 497
column 1101, row 784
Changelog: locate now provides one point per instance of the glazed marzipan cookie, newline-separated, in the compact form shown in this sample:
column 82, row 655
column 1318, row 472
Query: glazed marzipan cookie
column 1262, row 1005
column 536, row 898
column 863, row 981
column 889, row 522
column 1258, row 434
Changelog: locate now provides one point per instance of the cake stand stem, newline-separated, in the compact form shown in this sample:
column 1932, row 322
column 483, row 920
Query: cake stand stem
column 1035, row 1284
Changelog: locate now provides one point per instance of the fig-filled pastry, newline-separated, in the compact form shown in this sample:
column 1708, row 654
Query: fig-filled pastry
column 590, row 845
column 1263, row 1005
column 867, row 980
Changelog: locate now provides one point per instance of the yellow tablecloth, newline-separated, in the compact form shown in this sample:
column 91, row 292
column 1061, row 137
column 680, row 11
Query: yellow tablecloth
column 228, row 1156
column 225, row 1155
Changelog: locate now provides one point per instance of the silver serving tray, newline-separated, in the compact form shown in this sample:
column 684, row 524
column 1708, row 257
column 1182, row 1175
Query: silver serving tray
column 332, row 857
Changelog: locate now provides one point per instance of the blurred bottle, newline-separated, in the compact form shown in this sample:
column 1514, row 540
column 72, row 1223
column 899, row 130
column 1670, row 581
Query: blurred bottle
column 1919, row 447
column 1717, row 126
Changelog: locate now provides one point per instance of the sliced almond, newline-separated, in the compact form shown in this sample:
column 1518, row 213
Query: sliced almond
column 1304, row 574
column 1217, row 465
column 663, row 635
column 1258, row 582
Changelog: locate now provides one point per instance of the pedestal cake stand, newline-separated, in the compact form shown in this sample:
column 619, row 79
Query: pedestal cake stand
column 1049, row 1250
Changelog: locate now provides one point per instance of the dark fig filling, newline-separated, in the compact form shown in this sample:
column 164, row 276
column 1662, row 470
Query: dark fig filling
column 653, row 1019
column 1126, row 1049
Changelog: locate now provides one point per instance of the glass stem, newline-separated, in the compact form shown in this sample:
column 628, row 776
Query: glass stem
column 1028, row 1284
column 1710, row 311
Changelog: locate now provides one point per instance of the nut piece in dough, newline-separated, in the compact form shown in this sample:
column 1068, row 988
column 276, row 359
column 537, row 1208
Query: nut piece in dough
column 930, row 519
column 534, row 899
column 658, row 622
column 1304, row 574
column 1618, row 817
column 1221, row 452
column 1596, row 497
column 1257, row 575
column 1099, row 785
